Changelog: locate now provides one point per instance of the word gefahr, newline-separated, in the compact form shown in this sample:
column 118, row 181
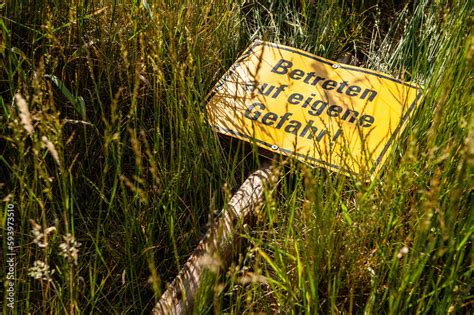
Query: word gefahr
column 255, row 112
column 284, row 67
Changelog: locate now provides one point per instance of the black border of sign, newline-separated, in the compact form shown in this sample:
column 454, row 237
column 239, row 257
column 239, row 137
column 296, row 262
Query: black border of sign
column 328, row 62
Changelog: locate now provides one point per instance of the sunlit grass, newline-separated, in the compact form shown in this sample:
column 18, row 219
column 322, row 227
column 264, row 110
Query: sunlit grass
column 118, row 156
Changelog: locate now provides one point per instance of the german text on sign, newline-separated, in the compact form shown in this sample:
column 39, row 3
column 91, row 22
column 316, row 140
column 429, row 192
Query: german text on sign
column 337, row 116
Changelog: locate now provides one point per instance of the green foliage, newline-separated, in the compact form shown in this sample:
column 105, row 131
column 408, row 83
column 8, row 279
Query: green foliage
column 117, row 156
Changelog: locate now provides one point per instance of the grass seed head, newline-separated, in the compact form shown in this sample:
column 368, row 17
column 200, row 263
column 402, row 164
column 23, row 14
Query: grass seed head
column 70, row 248
column 24, row 113
column 40, row 271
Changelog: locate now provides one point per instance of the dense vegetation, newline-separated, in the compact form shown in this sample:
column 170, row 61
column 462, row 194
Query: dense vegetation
column 102, row 138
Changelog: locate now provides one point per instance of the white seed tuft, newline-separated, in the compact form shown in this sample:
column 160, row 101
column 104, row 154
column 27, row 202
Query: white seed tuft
column 70, row 248
column 51, row 148
column 24, row 113
column 41, row 237
column 40, row 271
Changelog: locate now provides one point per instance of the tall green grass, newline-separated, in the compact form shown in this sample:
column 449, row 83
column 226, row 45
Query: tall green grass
column 120, row 159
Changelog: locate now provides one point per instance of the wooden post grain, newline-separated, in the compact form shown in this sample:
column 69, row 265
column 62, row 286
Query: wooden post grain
column 217, row 246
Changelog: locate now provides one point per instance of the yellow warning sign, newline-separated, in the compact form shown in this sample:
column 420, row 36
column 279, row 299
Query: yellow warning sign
column 333, row 115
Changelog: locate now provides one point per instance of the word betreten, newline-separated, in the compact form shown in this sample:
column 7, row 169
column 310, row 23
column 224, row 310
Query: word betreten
column 284, row 66
column 255, row 112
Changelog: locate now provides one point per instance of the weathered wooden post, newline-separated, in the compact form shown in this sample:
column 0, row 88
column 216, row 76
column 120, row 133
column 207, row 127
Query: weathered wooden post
column 340, row 117
column 218, row 244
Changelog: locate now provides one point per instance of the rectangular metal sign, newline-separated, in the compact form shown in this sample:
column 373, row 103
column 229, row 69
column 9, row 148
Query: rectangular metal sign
column 338, row 116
